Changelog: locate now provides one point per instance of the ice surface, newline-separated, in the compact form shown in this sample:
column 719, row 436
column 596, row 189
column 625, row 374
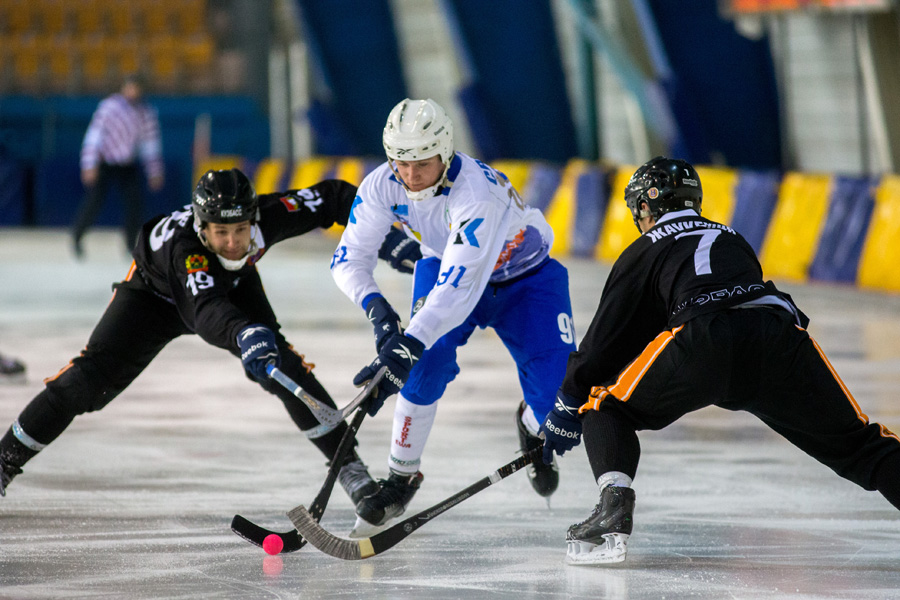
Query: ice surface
column 135, row 501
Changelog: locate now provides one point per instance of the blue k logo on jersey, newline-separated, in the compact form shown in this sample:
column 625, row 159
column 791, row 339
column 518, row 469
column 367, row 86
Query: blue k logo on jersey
column 356, row 202
column 469, row 232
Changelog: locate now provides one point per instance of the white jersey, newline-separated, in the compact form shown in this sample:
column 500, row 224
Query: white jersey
column 478, row 226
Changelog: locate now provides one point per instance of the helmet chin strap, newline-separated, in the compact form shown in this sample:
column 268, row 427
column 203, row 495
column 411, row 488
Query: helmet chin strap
column 232, row 265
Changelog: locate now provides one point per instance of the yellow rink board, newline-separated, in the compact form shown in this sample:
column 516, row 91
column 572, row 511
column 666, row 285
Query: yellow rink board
column 796, row 225
column 618, row 229
column 878, row 263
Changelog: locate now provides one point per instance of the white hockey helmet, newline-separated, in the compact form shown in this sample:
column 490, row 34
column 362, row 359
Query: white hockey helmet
column 418, row 129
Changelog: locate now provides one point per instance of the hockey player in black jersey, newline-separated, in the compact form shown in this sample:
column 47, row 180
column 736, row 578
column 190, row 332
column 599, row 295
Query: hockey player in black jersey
column 194, row 271
column 686, row 321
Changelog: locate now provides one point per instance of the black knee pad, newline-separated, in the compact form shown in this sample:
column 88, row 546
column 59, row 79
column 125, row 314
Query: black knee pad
column 79, row 389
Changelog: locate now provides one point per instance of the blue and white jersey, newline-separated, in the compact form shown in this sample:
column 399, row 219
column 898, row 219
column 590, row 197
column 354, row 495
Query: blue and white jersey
column 478, row 226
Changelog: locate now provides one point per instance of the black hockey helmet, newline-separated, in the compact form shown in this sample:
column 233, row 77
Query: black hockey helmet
column 665, row 184
column 224, row 197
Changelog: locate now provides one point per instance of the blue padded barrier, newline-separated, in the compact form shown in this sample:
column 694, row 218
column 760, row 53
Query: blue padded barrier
column 755, row 196
column 543, row 179
column 591, row 197
column 840, row 244
column 13, row 192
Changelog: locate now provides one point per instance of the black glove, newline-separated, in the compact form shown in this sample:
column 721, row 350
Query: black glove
column 561, row 430
column 400, row 250
column 258, row 348
column 399, row 353
column 384, row 319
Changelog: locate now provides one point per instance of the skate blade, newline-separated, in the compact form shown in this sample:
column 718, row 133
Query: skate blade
column 364, row 529
column 612, row 551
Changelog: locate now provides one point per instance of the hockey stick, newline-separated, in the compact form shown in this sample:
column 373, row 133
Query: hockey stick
column 291, row 540
column 328, row 417
column 308, row 524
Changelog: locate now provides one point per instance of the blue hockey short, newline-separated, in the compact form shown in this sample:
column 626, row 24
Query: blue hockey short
column 532, row 316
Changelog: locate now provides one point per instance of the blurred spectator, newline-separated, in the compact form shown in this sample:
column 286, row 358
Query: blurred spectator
column 123, row 131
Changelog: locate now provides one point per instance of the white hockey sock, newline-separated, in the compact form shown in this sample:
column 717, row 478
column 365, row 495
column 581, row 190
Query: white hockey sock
column 412, row 425
column 616, row 478
column 530, row 421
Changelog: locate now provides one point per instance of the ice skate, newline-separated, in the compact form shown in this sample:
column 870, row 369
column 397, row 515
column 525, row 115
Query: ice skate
column 602, row 538
column 374, row 513
column 11, row 370
column 7, row 472
column 355, row 479
column 544, row 478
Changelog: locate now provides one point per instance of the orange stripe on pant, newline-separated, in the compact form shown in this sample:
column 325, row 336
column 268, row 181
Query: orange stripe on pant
column 631, row 376
column 885, row 432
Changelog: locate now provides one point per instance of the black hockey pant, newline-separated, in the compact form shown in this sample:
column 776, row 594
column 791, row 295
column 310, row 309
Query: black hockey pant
column 750, row 359
column 136, row 326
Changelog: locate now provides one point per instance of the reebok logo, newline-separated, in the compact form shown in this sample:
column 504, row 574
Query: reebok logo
column 561, row 407
column 252, row 349
column 405, row 353
column 394, row 379
column 572, row 435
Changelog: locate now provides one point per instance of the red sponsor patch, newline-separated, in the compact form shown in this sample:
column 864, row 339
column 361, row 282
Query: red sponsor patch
column 195, row 263
column 290, row 203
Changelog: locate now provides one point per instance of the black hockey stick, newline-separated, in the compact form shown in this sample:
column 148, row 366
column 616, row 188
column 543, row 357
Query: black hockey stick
column 308, row 524
column 291, row 540
column 328, row 417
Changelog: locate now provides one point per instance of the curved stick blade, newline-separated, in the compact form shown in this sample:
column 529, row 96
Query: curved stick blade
column 328, row 543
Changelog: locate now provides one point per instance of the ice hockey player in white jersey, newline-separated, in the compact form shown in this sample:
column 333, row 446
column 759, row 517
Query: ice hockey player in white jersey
column 485, row 264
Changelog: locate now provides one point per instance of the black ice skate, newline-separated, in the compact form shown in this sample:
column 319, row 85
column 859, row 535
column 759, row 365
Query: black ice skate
column 374, row 512
column 356, row 481
column 602, row 538
column 11, row 370
column 7, row 472
column 544, row 478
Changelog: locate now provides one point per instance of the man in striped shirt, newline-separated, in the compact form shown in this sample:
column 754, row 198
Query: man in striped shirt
column 124, row 131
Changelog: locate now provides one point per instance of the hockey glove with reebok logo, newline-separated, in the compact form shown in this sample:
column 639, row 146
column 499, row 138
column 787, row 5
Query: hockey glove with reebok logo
column 400, row 250
column 384, row 319
column 561, row 430
column 258, row 348
column 399, row 354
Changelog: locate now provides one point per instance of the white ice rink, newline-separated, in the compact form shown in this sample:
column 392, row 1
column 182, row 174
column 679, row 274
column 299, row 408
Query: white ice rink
column 135, row 501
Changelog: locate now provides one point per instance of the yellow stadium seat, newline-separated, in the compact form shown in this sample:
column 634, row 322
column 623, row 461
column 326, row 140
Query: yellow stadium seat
column 62, row 62
column 122, row 16
column 618, row 227
column 189, row 16
column 54, row 15
column 125, row 54
column 881, row 252
column 90, row 17
column 164, row 60
column 19, row 16
column 793, row 235
column 29, row 57
column 718, row 193
column 94, row 59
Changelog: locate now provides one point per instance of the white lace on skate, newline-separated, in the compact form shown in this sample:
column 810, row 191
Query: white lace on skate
column 612, row 551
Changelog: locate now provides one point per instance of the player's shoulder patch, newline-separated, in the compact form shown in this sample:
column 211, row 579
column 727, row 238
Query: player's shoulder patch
column 291, row 203
column 196, row 263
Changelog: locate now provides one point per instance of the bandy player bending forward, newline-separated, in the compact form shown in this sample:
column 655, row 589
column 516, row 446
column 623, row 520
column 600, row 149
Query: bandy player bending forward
column 686, row 321
column 194, row 271
column 486, row 264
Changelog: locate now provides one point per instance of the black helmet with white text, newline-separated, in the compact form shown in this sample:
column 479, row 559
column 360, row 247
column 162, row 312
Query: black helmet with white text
column 665, row 184
column 225, row 196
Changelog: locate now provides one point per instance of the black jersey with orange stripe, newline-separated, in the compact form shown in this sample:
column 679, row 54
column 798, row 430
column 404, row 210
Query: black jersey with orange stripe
column 683, row 267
